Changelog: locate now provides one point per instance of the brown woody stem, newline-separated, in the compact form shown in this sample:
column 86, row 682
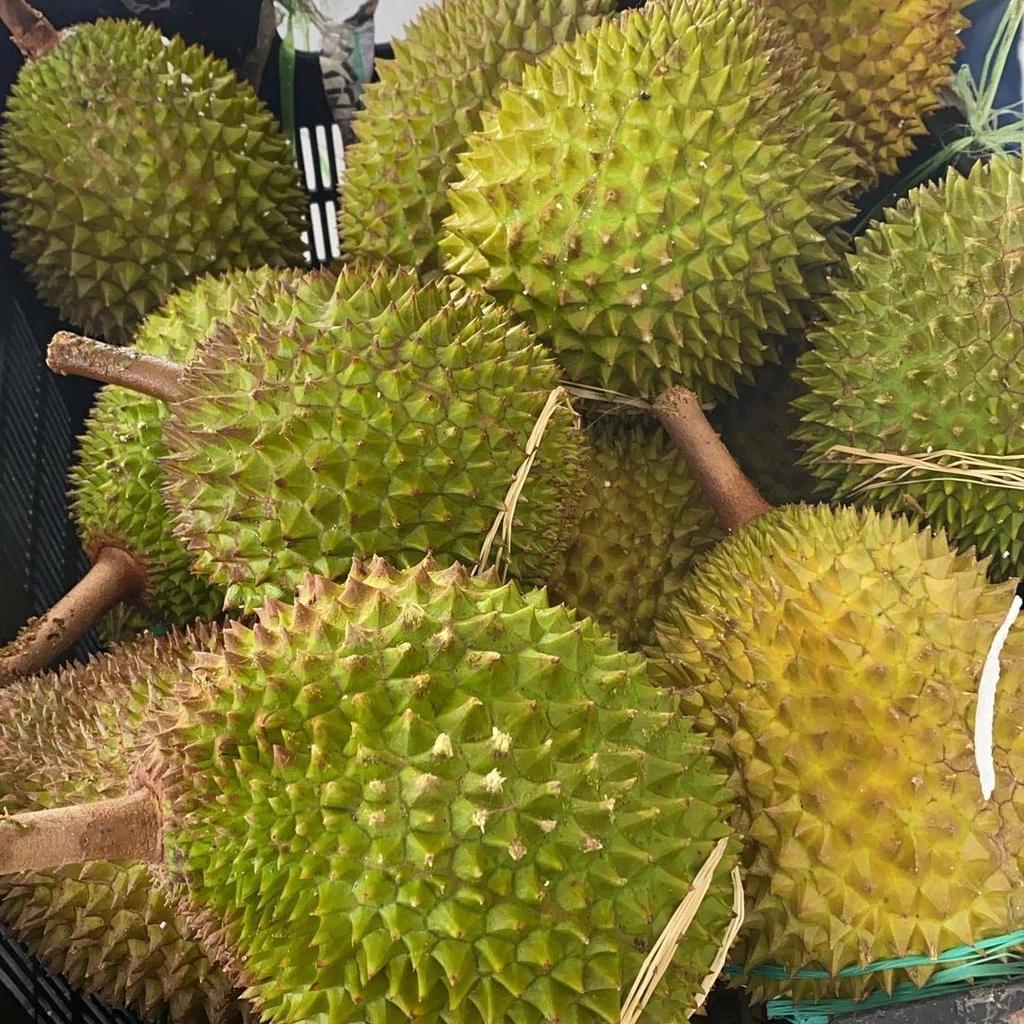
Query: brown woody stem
column 731, row 494
column 84, row 357
column 114, row 577
column 126, row 828
column 30, row 30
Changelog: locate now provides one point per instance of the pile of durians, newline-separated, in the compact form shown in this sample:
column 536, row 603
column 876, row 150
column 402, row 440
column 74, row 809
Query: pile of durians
column 455, row 671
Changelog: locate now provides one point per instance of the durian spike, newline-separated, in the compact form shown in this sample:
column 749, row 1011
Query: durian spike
column 31, row 31
column 734, row 498
column 125, row 828
column 115, row 576
column 110, row 364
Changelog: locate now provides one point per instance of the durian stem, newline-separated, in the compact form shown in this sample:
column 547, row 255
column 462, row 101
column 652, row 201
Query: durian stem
column 110, row 364
column 126, row 828
column 30, row 30
column 733, row 497
column 114, row 577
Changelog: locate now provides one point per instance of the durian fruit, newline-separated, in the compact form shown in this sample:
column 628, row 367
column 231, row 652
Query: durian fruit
column 424, row 795
column 644, row 522
column 141, row 575
column 131, row 164
column 115, row 484
column 358, row 414
column 921, row 352
column 886, row 63
column 833, row 656
column 106, row 927
column 657, row 198
column 415, row 121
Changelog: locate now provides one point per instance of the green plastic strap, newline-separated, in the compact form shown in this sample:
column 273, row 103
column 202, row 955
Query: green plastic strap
column 982, row 963
column 286, row 67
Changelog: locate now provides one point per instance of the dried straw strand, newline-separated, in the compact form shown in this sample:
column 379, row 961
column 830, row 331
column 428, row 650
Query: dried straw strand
column 559, row 396
column 660, row 956
column 986, row 471
column 739, row 913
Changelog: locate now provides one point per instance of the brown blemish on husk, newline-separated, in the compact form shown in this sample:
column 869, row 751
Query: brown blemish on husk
column 734, row 498
column 73, row 354
column 125, row 828
column 115, row 576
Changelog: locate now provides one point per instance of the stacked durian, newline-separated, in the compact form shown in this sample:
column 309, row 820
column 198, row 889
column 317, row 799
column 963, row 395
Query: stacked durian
column 505, row 658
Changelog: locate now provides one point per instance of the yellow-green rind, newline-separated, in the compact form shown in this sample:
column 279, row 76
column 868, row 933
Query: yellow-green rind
column 833, row 656
column 657, row 198
column 425, row 795
column 367, row 414
column 415, row 121
column 886, row 62
column 921, row 350
column 68, row 737
column 116, row 480
column 131, row 164
column 644, row 521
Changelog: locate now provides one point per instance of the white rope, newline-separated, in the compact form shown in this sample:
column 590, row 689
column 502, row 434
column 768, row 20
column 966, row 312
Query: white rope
column 985, row 716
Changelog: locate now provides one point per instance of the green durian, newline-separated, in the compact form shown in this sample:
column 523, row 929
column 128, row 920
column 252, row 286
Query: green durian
column 657, row 197
column 423, row 795
column 921, row 351
column 141, row 576
column 834, row 657
column 131, row 164
column 644, row 522
column 115, row 483
column 70, row 737
column 886, row 63
column 415, row 121
column 357, row 414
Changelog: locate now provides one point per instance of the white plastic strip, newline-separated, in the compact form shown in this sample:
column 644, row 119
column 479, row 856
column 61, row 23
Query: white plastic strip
column 331, row 217
column 323, row 159
column 306, row 149
column 339, row 152
column 985, row 717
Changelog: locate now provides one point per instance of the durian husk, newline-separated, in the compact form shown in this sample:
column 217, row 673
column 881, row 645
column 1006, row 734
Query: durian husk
column 886, row 62
column 116, row 480
column 425, row 794
column 644, row 523
column 72, row 736
column 658, row 198
column 833, row 657
column 921, row 351
column 130, row 165
column 367, row 413
column 416, row 119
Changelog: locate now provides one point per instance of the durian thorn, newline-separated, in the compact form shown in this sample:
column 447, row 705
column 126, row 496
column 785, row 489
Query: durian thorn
column 734, row 498
column 115, row 576
column 72, row 354
column 31, row 31
column 125, row 828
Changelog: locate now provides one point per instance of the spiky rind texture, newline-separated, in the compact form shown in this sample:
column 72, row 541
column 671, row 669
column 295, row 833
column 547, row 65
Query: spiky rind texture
column 922, row 349
column 131, row 164
column 644, row 520
column 73, row 736
column 361, row 415
column 886, row 63
column 834, row 658
column 416, row 119
column 653, row 198
column 424, row 794
column 115, row 484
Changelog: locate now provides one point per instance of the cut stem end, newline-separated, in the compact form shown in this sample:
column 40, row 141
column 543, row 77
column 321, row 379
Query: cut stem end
column 31, row 31
column 71, row 354
column 734, row 498
column 115, row 576
column 126, row 828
